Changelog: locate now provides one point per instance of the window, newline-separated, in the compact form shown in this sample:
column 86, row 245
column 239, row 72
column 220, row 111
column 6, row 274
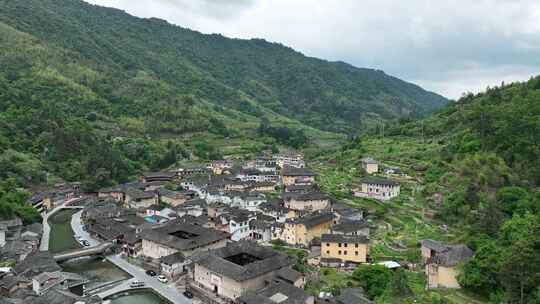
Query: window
column 327, row 244
column 345, row 245
column 339, row 252
column 339, row 244
column 356, row 245
column 345, row 252
column 356, row 252
column 327, row 251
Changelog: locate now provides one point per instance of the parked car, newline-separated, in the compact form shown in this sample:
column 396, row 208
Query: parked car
column 151, row 273
column 162, row 279
column 85, row 243
column 136, row 284
column 188, row 294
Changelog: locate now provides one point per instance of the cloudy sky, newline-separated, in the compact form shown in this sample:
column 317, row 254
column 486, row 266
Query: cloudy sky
column 449, row 48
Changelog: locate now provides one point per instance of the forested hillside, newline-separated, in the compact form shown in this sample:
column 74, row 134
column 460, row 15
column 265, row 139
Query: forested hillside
column 247, row 75
column 95, row 95
column 476, row 166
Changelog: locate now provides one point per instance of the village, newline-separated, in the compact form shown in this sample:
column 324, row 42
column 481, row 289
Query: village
column 226, row 232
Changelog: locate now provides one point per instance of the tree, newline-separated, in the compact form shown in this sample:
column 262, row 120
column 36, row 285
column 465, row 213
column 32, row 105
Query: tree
column 480, row 273
column 399, row 285
column 520, row 258
column 373, row 278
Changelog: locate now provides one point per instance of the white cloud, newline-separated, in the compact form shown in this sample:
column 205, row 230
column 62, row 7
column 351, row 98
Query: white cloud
column 446, row 46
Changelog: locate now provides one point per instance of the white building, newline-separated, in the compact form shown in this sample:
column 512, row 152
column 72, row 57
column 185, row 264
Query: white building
column 378, row 188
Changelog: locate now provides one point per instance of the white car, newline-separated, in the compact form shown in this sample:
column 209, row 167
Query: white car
column 162, row 279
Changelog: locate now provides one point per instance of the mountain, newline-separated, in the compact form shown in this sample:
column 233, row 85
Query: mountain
column 93, row 94
column 250, row 76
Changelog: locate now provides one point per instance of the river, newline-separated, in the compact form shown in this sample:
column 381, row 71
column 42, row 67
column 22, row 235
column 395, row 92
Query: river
column 145, row 297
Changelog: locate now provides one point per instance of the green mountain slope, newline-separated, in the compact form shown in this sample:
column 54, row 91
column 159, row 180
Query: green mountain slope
column 63, row 116
column 245, row 75
column 475, row 168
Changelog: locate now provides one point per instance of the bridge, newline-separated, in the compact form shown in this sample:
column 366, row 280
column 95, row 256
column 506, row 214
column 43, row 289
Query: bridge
column 125, row 286
column 79, row 253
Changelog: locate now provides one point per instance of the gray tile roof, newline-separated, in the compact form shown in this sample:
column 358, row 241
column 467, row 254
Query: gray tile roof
column 309, row 196
column 201, row 236
column 369, row 160
column 37, row 263
column 290, row 275
column 350, row 226
column 353, row 296
column 342, row 238
column 315, row 219
column 293, row 171
column 268, row 260
column 165, row 175
column 378, row 181
column 138, row 194
column 284, row 293
column 447, row 255
column 174, row 258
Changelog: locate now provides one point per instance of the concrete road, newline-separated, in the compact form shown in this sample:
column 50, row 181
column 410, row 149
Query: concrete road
column 167, row 291
column 77, row 227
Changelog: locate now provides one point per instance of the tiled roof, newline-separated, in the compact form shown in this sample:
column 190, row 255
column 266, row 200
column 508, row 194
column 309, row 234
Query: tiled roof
column 159, row 175
column 284, row 293
column 315, row 219
column 353, row 295
column 378, row 181
column 289, row 275
column 202, row 236
column 369, row 160
column 447, row 255
column 293, row 171
column 174, row 258
column 138, row 194
column 350, row 226
column 342, row 238
column 268, row 260
column 310, row 196
column 34, row 264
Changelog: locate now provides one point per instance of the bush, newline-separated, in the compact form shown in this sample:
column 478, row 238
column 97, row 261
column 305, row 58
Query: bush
column 373, row 278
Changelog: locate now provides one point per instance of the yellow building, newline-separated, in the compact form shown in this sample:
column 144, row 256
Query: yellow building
column 337, row 249
column 238, row 269
column 301, row 231
column 441, row 261
column 292, row 175
column 311, row 201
